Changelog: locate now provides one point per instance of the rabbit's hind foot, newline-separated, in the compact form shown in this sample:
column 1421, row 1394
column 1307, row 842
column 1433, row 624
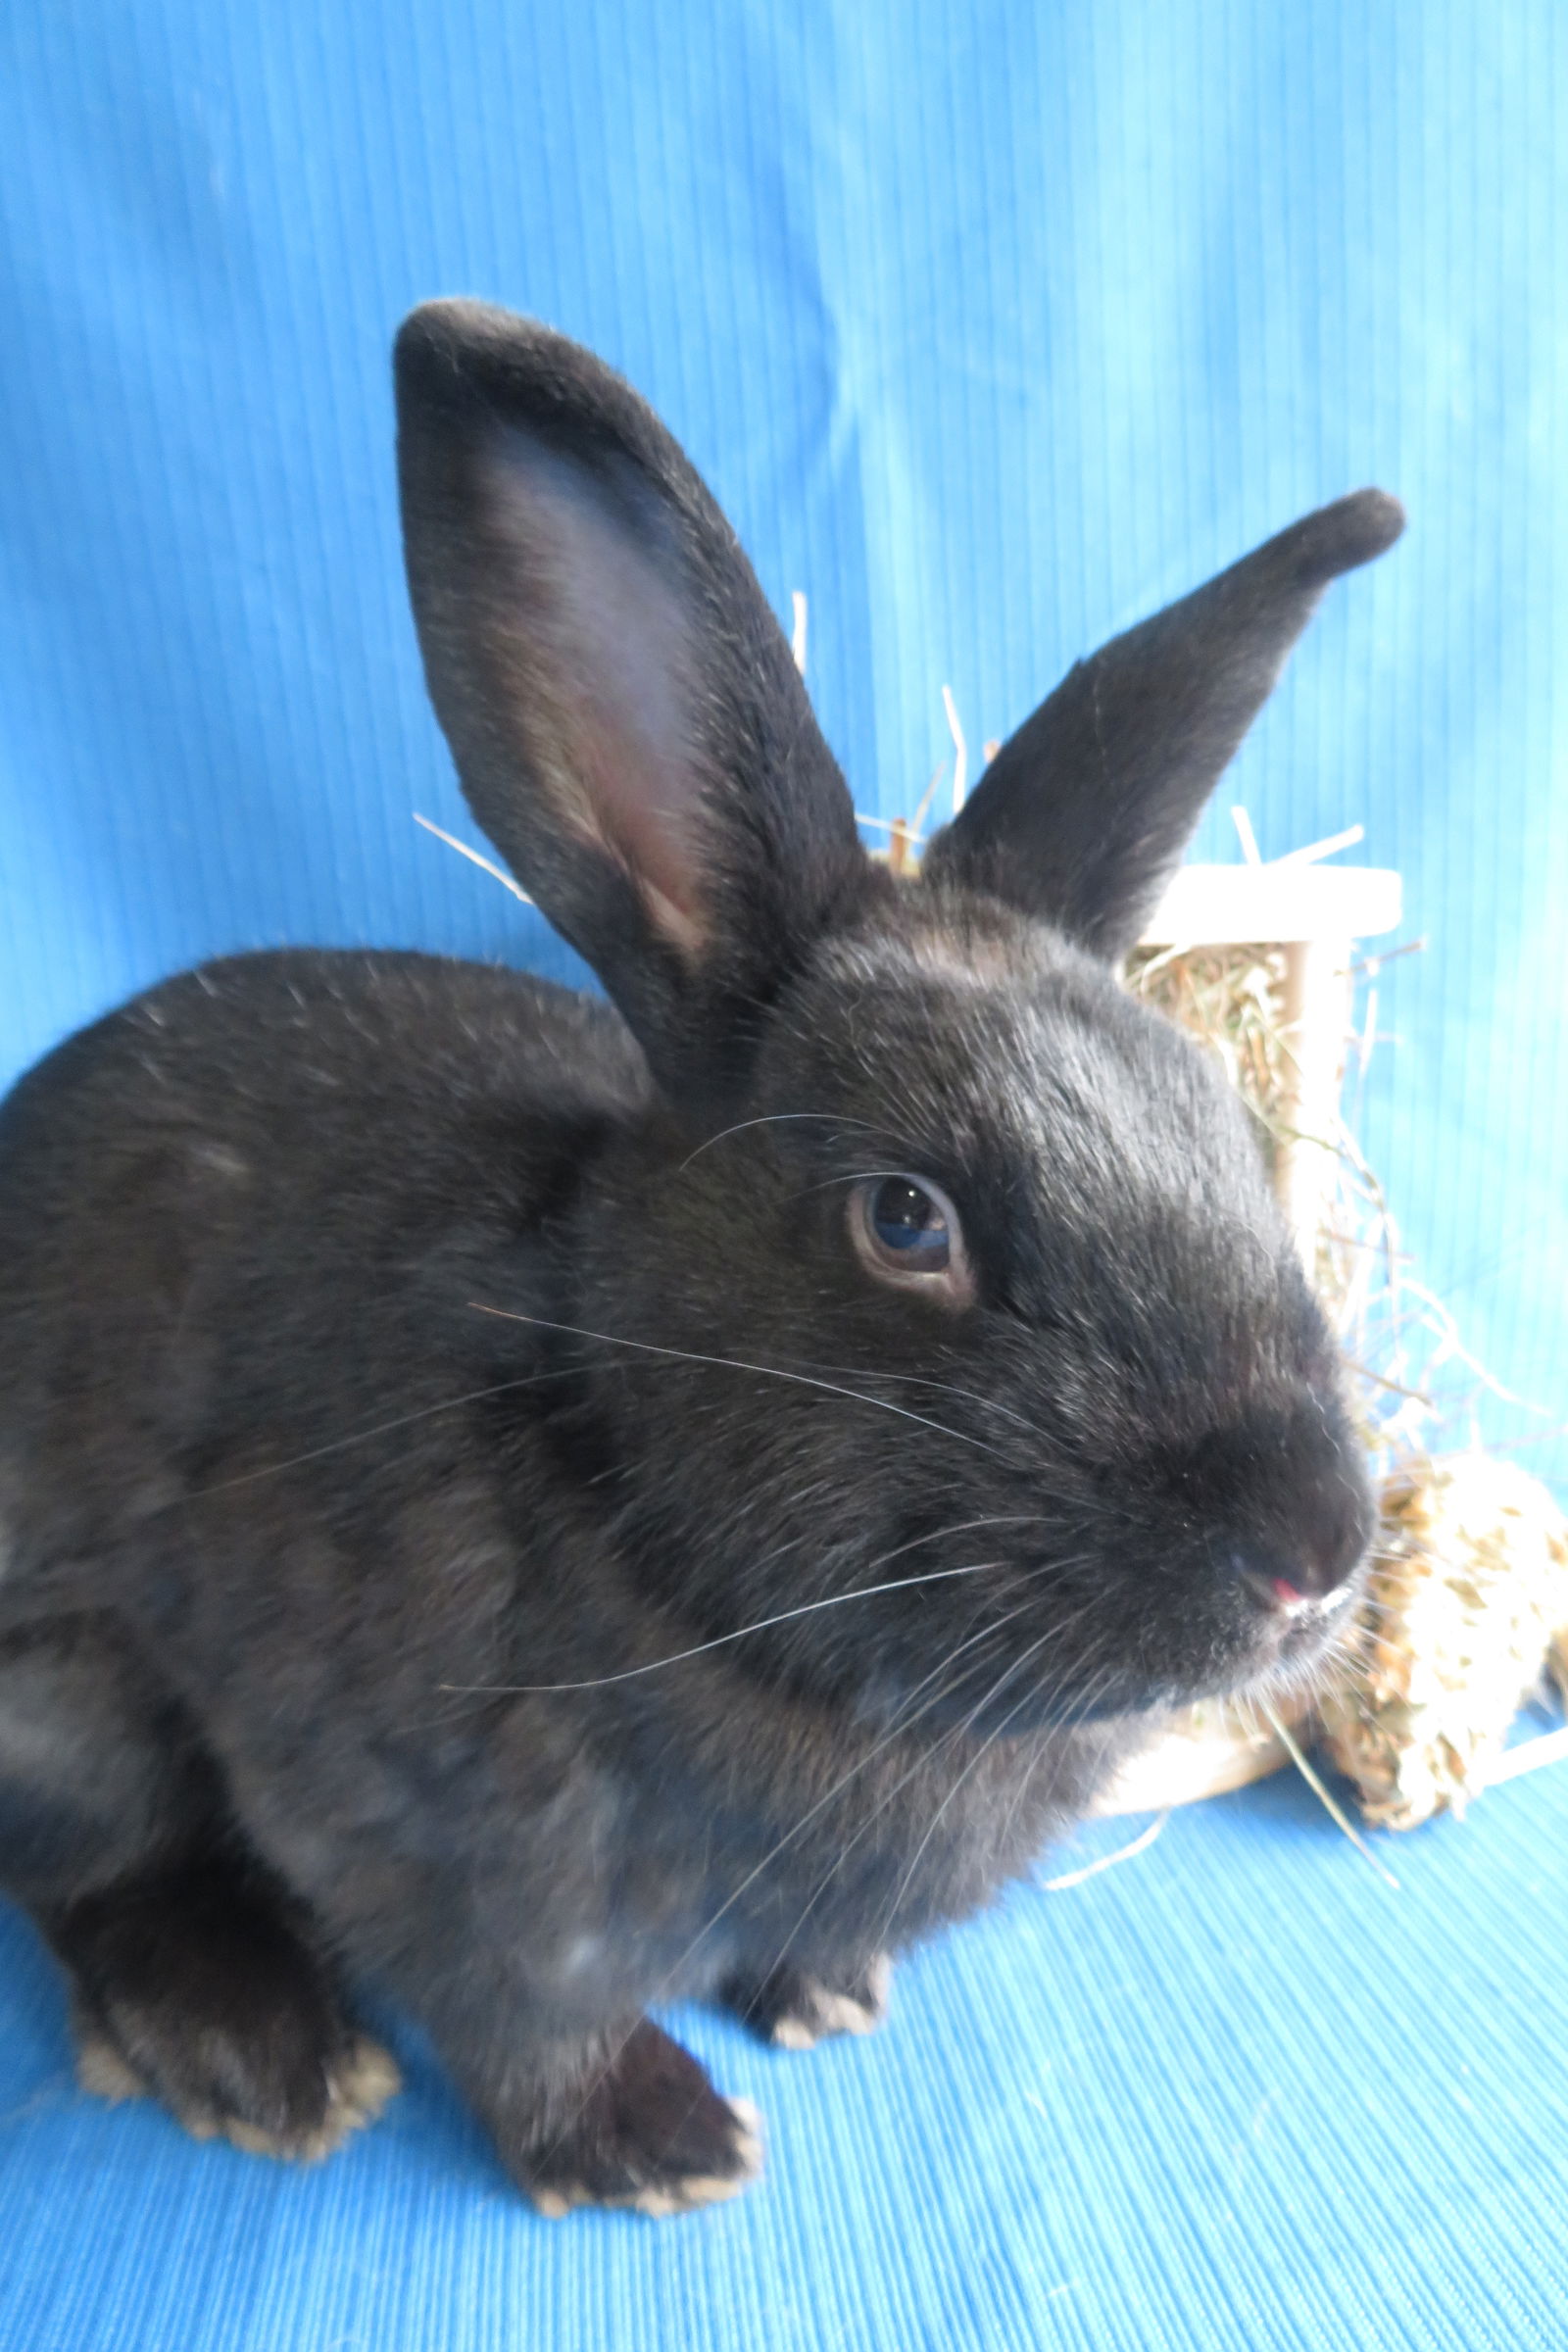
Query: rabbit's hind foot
column 195, row 1989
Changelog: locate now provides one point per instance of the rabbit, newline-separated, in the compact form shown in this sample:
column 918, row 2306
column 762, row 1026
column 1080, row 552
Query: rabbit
column 541, row 1504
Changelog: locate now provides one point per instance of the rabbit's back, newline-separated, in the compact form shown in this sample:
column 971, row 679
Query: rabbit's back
column 244, row 1201
column 318, row 1050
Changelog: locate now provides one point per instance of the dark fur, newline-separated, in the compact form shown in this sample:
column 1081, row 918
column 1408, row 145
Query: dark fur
column 284, row 1513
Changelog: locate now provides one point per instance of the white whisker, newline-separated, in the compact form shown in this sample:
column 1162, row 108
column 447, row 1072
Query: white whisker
column 732, row 1363
column 776, row 1118
column 831, row 1601
column 901, row 1725
column 986, row 1745
column 945, row 1388
column 379, row 1429
column 957, row 1731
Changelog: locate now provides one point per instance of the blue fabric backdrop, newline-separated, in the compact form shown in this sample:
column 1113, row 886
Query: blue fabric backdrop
column 994, row 325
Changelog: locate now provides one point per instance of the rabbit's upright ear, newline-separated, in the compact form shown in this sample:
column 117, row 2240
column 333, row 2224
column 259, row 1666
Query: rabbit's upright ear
column 1084, row 813
column 627, row 722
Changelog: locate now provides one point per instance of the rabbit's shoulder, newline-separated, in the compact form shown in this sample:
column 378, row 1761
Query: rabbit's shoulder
column 264, row 1154
column 317, row 1067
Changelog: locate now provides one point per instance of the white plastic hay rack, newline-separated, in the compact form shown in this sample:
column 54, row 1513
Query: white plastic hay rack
column 1316, row 914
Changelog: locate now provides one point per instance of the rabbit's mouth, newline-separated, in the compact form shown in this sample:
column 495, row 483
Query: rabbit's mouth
column 1274, row 1639
column 1262, row 1634
column 1294, row 1634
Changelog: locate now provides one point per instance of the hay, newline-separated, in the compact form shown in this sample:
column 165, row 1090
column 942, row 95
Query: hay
column 1468, row 1595
column 1233, row 1001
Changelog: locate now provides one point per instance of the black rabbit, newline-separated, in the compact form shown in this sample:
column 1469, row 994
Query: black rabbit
column 546, row 1505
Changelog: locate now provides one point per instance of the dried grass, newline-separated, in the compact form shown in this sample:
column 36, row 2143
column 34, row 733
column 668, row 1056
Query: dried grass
column 1233, row 1001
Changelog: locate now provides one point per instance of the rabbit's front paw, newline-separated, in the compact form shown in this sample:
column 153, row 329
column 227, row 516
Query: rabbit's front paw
column 794, row 2010
column 646, row 2131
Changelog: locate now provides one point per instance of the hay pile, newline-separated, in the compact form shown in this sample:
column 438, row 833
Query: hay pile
column 1468, row 1599
column 1233, row 1000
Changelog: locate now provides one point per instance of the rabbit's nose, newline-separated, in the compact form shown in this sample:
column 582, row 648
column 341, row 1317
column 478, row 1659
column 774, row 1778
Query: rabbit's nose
column 1284, row 1595
column 1321, row 1587
column 1278, row 1595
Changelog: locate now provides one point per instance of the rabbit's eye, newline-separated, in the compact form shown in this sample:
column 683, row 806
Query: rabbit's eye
column 911, row 1222
column 907, row 1232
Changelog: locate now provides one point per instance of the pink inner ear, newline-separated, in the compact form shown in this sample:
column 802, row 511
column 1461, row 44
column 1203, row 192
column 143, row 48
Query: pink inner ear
column 594, row 658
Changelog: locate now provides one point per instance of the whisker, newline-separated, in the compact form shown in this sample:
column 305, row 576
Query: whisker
column 379, row 1429
column 1334, row 1810
column 733, row 1363
column 945, row 1388
column 849, row 1176
column 938, row 1535
column 903, row 1722
column 830, row 1601
column 986, row 1745
column 832, row 1118
column 920, row 1763
column 1046, row 1693
column 899, row 1726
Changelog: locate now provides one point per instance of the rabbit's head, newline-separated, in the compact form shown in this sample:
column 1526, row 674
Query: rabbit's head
column 941, row 1265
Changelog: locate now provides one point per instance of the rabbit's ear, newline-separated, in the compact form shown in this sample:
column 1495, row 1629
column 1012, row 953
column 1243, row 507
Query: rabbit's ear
column 1085, row 811
column 627, row 722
